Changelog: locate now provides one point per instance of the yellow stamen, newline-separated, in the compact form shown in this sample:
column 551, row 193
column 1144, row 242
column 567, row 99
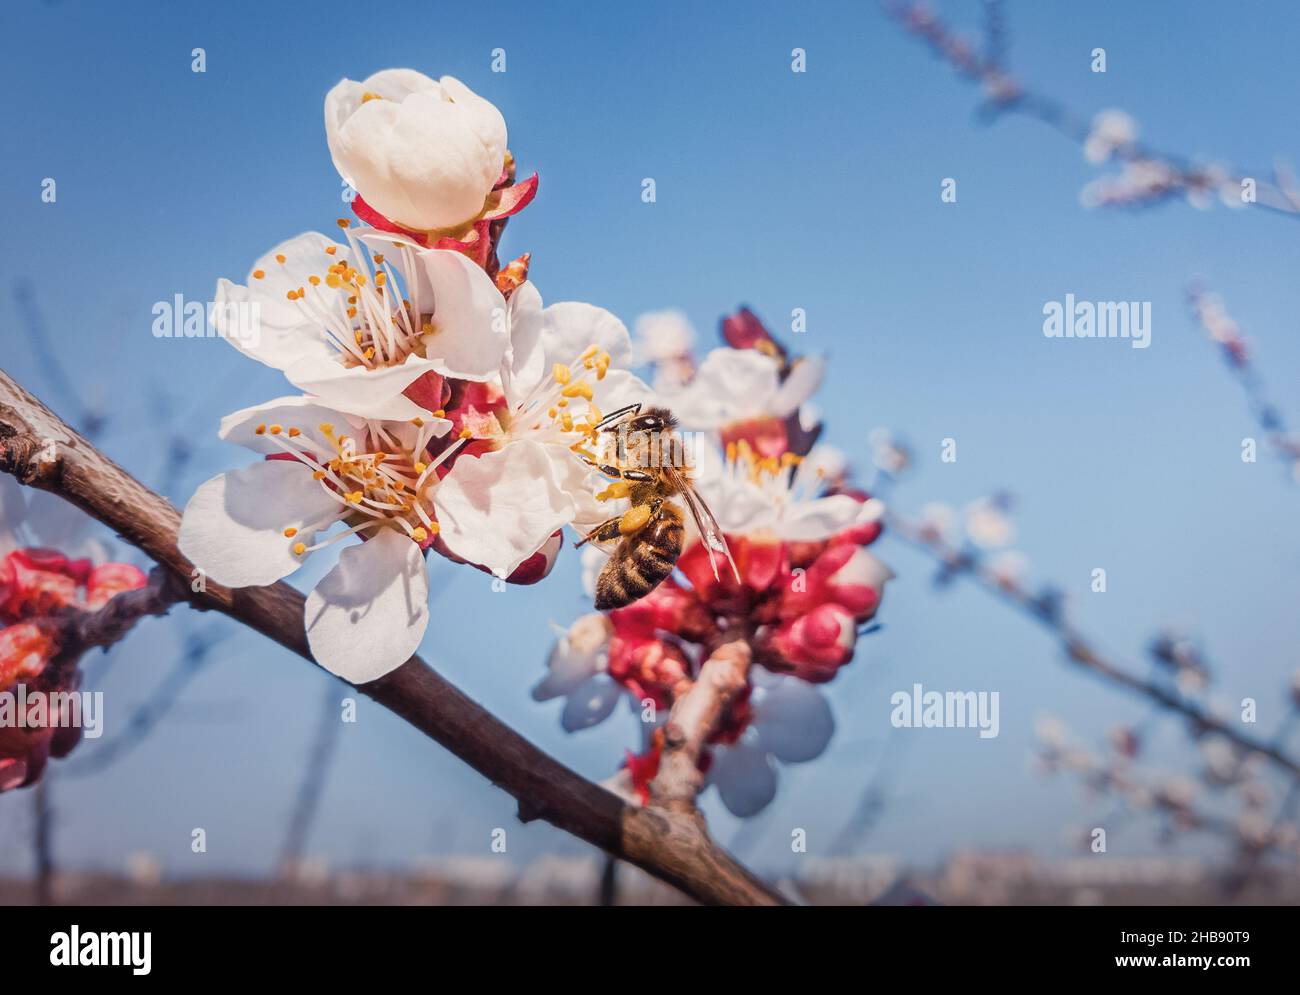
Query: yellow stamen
column 561, row 373
column 290, row 533
column 580, row 389
column 299, row 548
column 258, row 274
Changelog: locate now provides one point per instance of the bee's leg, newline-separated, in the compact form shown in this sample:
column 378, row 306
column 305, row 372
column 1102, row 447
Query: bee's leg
column 637, row 476
column 614, row 416
column 606, row 531
column 639, row 516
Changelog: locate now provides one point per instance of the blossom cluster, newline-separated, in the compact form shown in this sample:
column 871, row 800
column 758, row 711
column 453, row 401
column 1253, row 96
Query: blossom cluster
column 804, row 582
column 38, row 588
column 440, row 405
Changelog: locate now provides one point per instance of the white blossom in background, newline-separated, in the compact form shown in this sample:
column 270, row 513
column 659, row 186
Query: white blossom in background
column 987, row 524
column 739, row 385
column 1112, row 131
column 792, row 724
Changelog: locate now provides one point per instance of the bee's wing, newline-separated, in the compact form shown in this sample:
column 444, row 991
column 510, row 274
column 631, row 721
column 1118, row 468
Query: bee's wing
column 710, row 530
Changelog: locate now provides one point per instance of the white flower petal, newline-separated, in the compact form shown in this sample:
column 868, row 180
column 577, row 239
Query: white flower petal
column 730, row 385
column 498, row 509
column 569, row 327
column 296, row 411
column 823, row 517
column 470, row 317
column 799, row 385
column 663, row 335
column 233, row 526
column 620, row 388
column 525, row 360
column 590, row 703
column 483, row 119
column 357, row 390
column 283, row 332
column 367, row 616
column 745, row 778
column 577, row 655
column 794, row 721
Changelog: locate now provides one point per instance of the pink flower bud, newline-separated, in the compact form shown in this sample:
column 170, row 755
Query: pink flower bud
column 812, row 646
column 110, row 579
column 41, row 582
column 743, row 330
column 719, row 592
column 857, row 535
column 25, row 649
column 649, row 668
column 667, row 608
column 858, row 583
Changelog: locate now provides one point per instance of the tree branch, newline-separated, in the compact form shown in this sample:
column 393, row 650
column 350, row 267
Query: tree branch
column 695, row 716
column 80, row 630
column 1078, row 648
column 40, row 450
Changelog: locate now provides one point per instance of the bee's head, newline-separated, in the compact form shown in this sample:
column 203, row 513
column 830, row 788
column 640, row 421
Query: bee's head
column 653, row 420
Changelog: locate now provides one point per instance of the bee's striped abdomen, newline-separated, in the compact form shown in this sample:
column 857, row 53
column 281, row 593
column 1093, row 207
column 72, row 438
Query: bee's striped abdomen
column 640, row 562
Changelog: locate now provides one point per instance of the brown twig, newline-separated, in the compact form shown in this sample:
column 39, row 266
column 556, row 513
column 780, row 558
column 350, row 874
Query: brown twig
column 1005, row 93
column 81, row 630
column 695, row 716
column 1077, row 647
column 40, row 450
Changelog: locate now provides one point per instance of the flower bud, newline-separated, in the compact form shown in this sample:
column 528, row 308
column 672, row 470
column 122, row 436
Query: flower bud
column 424, row 154
column 814, row 645
column 110, row 579
column 667, row 608
column 41, row 582
column 858, row 583
column 649, row 668
column 744, row 330
column 25, row 649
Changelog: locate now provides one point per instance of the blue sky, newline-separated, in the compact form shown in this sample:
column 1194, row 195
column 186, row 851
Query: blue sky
column 817, row 191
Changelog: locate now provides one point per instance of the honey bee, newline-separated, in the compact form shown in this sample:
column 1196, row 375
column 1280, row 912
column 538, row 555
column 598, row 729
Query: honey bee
column 651, row 533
